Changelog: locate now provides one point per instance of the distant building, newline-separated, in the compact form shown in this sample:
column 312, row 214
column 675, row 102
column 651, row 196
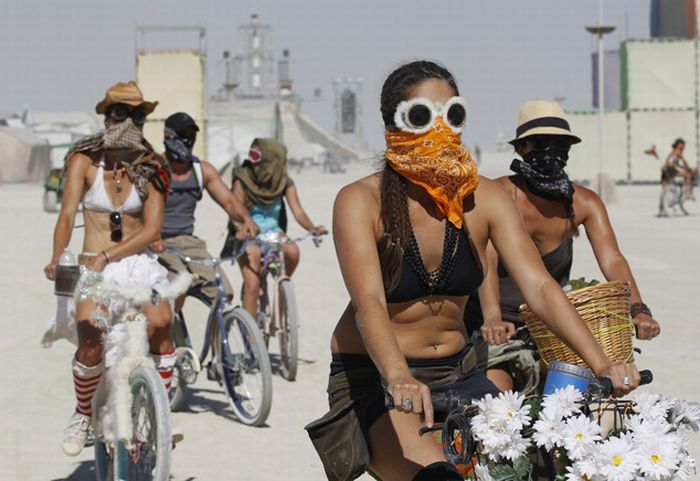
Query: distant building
column 257, row 98
column 672, row 18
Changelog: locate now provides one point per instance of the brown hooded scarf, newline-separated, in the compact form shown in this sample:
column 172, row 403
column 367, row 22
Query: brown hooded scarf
column 266, row 181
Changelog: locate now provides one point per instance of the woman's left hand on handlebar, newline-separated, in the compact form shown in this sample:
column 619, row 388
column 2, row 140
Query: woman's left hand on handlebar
column 624, row 377
column 319, row 230
column 646, row 326
column 410, row 395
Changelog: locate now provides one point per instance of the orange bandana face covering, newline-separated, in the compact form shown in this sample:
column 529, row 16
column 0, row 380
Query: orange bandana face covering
column 436, row 161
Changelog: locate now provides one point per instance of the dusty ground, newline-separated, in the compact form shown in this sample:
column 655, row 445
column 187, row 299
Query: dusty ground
column 37, row 398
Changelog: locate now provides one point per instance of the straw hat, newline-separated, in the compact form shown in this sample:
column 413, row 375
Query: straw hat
column 542, row 117
column 125, row 93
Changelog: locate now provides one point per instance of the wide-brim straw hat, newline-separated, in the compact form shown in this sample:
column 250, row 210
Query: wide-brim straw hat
column 542, row 117
column 125, row 93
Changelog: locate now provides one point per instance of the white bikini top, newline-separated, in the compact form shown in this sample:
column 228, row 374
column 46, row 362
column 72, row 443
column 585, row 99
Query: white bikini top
column 96, row 198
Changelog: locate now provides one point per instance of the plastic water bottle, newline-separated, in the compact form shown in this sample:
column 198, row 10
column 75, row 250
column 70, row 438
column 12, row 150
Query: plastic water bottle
column 67, row 274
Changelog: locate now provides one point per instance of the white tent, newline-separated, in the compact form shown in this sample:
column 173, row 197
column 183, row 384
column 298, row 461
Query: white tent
column 24, row 157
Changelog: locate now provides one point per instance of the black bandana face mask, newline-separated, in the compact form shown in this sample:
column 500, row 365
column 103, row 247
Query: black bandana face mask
column 179, row 149
column 543, row 171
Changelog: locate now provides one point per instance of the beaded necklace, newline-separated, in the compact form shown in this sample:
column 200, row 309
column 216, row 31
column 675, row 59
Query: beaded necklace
column 436, row 279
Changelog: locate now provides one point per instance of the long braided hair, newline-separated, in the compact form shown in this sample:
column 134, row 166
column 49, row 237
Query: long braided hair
column 394, row 203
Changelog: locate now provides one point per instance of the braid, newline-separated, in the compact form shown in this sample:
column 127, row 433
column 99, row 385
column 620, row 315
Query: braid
column 394, row 209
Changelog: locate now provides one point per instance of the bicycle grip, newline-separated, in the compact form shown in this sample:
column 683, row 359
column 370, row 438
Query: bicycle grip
column 606, row 387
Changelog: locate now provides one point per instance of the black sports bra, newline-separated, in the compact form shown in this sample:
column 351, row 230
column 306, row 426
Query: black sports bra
column 459, row 273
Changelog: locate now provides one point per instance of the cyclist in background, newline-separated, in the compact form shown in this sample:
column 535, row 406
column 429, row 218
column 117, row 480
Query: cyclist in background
column 191, row 177
column 552, row 209
column 262, row 184
column 677, row 166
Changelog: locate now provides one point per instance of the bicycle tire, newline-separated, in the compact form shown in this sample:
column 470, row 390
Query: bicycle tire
column 288, row 330
column 103, row 465
column 178, row 389
column 244, row 364
column 154, row 463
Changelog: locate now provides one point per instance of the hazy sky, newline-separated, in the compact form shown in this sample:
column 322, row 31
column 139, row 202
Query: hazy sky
column 61, row 55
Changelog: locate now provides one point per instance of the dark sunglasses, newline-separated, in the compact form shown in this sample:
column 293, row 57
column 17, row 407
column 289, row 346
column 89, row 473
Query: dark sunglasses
column 558, row 142
column 120, row 112
column 115, row 220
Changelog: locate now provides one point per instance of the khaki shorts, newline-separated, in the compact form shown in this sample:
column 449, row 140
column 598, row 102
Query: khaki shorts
column 518, row 356
column 195, row 248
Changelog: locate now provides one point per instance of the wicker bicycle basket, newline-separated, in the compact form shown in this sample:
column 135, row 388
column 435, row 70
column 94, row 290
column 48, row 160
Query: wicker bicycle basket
column 605, row 310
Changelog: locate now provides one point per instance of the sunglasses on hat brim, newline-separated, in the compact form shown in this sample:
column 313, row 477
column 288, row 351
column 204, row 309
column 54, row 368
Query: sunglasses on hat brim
column 419, row 115
column 120, row 112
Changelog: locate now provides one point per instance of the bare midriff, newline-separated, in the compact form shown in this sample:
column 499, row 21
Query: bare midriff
column 98, row 230
column 426, row 328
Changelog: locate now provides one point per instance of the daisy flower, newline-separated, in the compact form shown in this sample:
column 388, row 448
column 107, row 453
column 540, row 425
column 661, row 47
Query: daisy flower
column 515, row 447
column 651, row 406
column 617, row 460
column 564, row 399
column 549, row 429
column 575, row 474
column 646, row 429
column 658, row 458
column 509, row 407
column 687, row 414
column 580, row 433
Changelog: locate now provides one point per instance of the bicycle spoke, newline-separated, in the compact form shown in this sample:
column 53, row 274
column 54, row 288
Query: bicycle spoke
column 144, row 440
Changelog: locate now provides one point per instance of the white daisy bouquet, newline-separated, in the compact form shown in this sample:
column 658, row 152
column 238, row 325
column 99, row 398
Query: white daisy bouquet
column 649, row 443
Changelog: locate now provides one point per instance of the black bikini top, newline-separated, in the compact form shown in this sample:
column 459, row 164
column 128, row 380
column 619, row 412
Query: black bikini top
column 459, row 273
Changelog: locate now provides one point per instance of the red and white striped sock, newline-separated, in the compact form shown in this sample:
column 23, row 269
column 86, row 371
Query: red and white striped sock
column 85, row 380
column 165, row 363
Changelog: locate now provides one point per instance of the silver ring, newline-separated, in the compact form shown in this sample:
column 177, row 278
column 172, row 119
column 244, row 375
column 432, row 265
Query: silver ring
column 626, row 381
column 406, row 404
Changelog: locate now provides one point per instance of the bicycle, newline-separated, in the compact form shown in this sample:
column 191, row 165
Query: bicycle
column 277, row 308
column 239, row 362
column 672, row 198
column 132, row 417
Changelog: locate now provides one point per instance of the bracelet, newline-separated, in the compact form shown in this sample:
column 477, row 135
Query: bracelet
column 104, row 253
column 639, row 308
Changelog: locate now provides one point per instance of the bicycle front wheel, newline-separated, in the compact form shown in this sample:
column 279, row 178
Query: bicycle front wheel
column 244, row 365
column 289, row 330
column 150, row 455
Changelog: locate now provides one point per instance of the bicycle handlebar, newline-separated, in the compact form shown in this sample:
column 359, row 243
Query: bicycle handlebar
column 602, row 386
column 281, row 241
column 210, row 261
column 448, row 399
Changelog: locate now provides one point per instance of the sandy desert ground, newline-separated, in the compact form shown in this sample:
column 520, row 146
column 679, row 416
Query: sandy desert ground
column 36, row 397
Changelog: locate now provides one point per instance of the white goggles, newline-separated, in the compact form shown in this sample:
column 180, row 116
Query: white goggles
column 418, row 115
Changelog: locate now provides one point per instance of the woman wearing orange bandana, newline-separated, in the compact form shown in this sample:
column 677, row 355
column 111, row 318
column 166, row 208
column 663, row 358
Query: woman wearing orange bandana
column 411, row 244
